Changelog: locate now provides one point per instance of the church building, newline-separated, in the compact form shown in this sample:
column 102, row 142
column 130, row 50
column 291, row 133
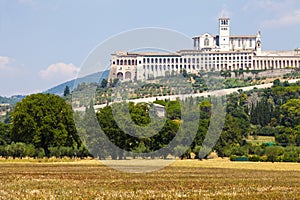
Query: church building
column 210, row 53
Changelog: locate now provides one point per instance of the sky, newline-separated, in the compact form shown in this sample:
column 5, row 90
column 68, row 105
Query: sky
column 44, row 43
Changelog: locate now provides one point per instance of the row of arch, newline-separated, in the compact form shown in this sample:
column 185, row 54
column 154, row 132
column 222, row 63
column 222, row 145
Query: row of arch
column 121, row 76
column 275, row 64
column 218, row 67
column 177, row 60
column 125, row 62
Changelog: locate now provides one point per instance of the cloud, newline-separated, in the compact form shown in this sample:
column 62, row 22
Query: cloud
column 59, row 72
column 275, row 13
column 5, row 63
column 270, row 5
column 287, row 19
column 225, row 12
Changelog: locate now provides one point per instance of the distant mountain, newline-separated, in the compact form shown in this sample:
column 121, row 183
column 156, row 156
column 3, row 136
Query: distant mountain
column 11, row 100
column 92, row 78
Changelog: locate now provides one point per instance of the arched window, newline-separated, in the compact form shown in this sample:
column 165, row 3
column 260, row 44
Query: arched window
column 206, row 42
column 127, row 75
column 120, row 75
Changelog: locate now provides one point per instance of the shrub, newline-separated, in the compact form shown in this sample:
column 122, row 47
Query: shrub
column 264, row 158
column 3, row 151
column 273, row 152
column 291, row 154
column 39, row 153
column 254, row 158
column 61, row 152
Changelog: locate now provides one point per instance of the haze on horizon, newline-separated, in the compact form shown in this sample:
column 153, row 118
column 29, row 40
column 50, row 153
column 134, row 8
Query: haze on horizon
column 44, row 43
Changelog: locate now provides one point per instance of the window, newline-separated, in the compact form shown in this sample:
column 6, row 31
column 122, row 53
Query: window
column 239, row 43
column 206, row 42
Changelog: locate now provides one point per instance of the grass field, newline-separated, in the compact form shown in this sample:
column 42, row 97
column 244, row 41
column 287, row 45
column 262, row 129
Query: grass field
column 187, row 179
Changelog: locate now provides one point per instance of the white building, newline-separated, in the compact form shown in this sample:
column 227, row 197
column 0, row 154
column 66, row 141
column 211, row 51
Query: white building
column 210, row 53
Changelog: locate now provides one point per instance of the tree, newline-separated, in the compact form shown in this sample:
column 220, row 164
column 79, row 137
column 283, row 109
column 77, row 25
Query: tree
column 115, row 82
column 262, row 113
column 290, row 113
column 66, row 91
column 173, row 110
column 44, row 120
column 225, row 73
column 184, row 73
column 272, row 153
column 4, row 134
column 104, row 83
column 276, row 82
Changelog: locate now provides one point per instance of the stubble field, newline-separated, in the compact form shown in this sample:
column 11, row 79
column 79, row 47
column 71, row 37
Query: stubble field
column 187, row 179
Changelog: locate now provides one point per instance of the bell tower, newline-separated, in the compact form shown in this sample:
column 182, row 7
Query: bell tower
column 258, row 43
column 224, row 33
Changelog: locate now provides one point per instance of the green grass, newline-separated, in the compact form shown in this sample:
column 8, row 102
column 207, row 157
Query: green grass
column 190, row 179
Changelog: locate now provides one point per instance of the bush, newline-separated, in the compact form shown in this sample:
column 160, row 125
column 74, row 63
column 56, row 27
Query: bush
column 82, row 152
column 54, row 152
column 273, row 153
column 240, row 151
column 61, row 152
column 267, row 131
column 29, row 150
column 264, row 158
column 17, row 150
column 291, row 154
column 259, row 151
column 3, row 151
column 254, row 158
column 39, row 153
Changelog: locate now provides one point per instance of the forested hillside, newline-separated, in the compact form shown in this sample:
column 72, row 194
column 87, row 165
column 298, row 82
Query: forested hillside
column 42, row 125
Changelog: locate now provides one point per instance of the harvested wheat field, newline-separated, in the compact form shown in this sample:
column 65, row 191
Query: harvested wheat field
column 187, row 179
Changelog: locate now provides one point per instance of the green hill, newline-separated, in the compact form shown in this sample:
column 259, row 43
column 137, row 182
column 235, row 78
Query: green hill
column 96, row 77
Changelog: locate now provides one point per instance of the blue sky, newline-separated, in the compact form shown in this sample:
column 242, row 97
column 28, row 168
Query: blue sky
column 44, row 43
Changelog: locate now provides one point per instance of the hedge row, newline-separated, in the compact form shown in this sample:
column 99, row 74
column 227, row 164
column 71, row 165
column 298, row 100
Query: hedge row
column 21, row 150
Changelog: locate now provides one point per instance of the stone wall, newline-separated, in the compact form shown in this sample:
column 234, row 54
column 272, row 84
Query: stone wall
column 268, row 73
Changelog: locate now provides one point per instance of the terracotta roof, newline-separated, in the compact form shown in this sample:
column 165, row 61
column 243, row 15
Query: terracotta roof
column 243, row 36
column 144, row 54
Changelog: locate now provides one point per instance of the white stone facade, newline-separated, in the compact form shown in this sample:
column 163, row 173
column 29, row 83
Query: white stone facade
column 210, row 53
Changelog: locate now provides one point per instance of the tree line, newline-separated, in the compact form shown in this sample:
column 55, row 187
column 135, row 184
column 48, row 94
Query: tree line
column 43, row 125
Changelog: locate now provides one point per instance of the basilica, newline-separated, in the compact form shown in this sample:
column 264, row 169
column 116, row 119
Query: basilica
column 209, row 53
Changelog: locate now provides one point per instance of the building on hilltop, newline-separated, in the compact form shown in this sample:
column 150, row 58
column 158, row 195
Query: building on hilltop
column 210, row 53
column 224, row 42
